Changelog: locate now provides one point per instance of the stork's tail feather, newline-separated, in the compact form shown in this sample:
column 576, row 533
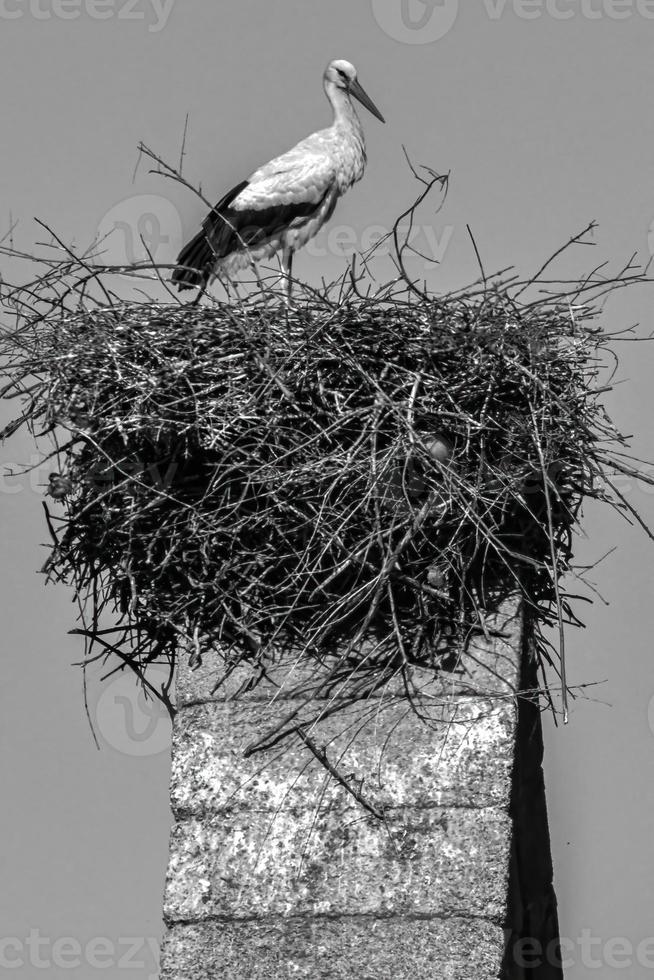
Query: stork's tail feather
column 195, row 262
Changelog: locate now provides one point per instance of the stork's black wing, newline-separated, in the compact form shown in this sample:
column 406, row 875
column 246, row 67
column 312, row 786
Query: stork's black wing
column 227, row 229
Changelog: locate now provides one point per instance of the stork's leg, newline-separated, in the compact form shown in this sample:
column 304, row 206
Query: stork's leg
column 227, row 285
column 200, row 293
column 287, row 268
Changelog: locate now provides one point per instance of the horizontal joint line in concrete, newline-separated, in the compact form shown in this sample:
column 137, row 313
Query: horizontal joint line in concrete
column 443, row 698
column 336, row 916
column 182, row 815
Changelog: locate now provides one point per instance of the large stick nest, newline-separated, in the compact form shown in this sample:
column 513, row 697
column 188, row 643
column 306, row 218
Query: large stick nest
column 356, row 479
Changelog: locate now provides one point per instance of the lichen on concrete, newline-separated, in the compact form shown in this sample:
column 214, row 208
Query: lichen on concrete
column 277, row 871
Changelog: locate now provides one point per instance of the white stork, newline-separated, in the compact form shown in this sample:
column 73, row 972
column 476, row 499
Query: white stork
column 284, row 203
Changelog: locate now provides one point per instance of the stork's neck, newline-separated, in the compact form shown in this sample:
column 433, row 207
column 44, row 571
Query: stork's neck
column 345, row 116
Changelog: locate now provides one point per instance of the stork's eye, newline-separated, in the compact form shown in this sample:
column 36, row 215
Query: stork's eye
column 342, row 74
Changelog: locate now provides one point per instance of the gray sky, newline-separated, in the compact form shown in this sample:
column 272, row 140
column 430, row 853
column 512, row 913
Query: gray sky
column 542, row 113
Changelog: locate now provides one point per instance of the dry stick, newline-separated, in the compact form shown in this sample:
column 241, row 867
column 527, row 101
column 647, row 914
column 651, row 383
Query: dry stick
column 172, row 173
column 129, row 662
column 479, row 262
column 574, row 240
column 632, row 510
column 156, row 269
column 72, row 255
column 323, row 791
column 275, row 735
column 182, row 152
column 321, row 755
column 401, row 247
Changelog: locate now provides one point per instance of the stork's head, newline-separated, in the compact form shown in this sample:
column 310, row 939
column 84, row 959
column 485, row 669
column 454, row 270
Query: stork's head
column 342, row 75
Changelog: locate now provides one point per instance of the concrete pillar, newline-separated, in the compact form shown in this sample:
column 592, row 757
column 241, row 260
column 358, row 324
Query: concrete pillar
column 277, row 871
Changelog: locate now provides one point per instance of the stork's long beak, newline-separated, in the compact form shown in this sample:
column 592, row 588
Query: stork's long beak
column 357, row 91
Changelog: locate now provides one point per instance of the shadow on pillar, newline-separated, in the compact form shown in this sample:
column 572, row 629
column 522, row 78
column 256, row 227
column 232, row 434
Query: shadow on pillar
column 532, row 927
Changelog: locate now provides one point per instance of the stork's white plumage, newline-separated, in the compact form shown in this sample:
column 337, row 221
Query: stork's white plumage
column 284, row 203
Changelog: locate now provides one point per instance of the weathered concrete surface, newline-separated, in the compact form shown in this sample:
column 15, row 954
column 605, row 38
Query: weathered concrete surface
column 275, row 868
column 339, row 949
column 454, row 756
column 421, row 862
